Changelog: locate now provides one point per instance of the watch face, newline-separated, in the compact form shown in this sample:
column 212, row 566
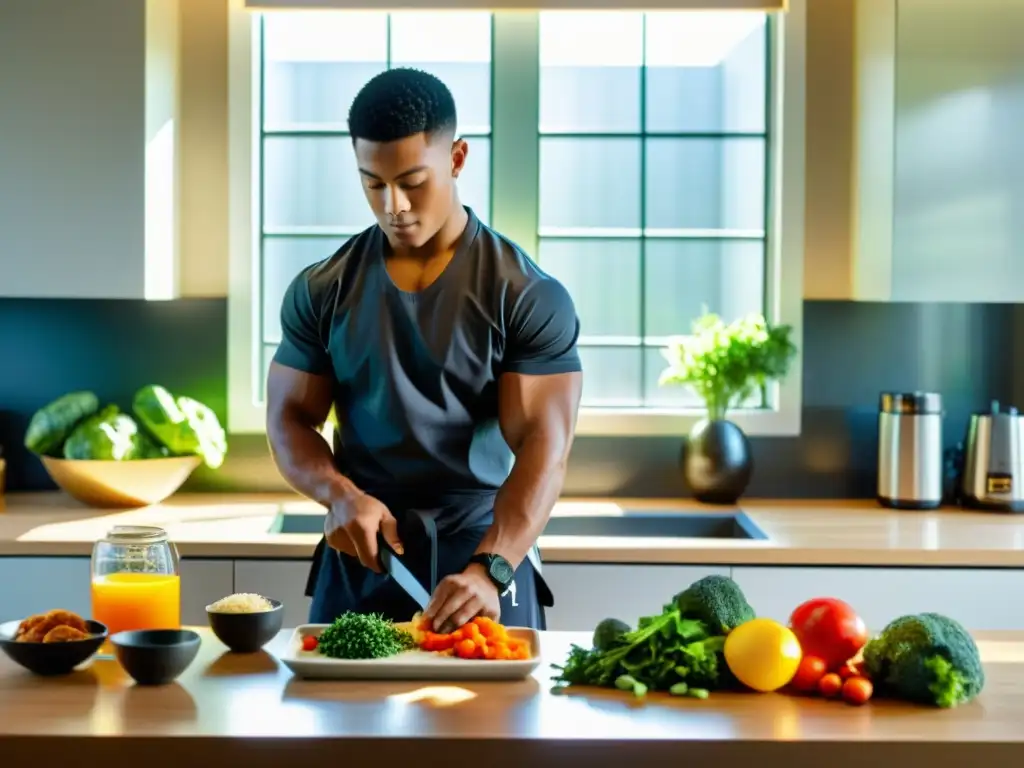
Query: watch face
column 501, row 570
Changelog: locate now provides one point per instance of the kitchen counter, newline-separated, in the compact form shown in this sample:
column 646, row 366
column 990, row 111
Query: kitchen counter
column 249, row 709
column 829, row 532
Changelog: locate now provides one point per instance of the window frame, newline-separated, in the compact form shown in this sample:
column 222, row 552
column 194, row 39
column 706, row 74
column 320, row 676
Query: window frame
column 514, row 159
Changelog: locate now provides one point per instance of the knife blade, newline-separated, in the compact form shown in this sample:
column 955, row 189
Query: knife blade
column 400, row 573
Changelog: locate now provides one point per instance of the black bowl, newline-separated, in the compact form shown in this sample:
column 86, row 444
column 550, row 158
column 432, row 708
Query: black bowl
column 155, row 656
column 247, row 632
column 51, row 658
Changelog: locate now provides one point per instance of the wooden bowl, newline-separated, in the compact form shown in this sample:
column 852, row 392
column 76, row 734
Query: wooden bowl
column 137, row 483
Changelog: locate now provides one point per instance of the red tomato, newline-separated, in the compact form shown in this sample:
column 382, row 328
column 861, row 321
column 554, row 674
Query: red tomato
column 857, row 690
column 309, row 643
column 830, row 685
column 850, row 669
column 810, row 672
column 830, row 629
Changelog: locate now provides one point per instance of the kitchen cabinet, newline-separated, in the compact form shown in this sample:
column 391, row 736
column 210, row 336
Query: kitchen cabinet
column 35, row 584
column 585, row 594
column 935, row 92
column 90, row 149
column 283, row 580
column 978, row 599
column 203, row 582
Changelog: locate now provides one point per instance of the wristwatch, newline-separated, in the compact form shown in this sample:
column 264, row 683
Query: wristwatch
column 498, row 568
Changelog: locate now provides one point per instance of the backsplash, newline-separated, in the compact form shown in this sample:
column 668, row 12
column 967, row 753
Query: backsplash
column 852, row 351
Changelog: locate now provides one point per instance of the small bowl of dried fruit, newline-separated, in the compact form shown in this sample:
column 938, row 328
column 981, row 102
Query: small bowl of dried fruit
column 52, row 643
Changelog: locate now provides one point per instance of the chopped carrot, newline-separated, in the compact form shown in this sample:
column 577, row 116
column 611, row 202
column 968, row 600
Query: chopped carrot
column 488, row 628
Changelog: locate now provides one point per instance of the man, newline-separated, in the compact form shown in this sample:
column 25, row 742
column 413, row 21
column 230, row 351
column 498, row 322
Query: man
column 445, row 352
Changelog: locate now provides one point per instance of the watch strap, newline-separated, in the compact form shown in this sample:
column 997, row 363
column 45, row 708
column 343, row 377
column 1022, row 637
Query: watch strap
column 488, row 561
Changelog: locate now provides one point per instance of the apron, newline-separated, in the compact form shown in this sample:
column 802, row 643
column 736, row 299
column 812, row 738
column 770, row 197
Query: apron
column 436, row 545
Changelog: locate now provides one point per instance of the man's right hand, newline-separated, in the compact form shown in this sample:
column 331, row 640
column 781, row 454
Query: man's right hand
column 351, row 527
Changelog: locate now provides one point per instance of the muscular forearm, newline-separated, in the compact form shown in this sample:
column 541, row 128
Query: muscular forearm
column 524, row 503
column 306, row 462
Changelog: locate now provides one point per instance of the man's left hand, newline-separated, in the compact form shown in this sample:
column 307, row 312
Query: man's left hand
column 462, row 597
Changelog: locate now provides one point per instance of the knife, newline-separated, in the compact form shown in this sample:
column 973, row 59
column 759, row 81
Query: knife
column 400, row 573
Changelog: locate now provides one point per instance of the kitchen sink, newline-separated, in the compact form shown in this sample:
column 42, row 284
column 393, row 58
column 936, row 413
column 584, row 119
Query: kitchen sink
column 657, row 525
column 298, row 522
column 631, row 524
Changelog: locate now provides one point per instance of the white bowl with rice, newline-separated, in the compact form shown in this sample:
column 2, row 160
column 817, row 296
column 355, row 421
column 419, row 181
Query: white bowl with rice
column 245, row 621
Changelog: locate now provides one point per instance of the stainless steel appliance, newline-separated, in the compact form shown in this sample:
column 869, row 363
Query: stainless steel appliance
column 910, row 461
column 993, row 474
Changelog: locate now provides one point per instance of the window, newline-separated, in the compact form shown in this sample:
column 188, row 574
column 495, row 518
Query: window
column 637, row 156
column 653, row 134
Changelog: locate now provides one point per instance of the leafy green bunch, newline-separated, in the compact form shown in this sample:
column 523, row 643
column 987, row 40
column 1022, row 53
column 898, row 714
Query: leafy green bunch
column 679, row 650
column 725, row 363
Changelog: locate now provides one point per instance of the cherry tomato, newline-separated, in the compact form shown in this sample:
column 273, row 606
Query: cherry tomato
column 830, row 629
column 309, row 643
column 851, row 669
column 808, row 674
column 830, row 685
column 857, row 690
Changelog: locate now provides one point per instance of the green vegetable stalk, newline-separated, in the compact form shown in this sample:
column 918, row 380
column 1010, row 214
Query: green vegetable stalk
column 363, row 636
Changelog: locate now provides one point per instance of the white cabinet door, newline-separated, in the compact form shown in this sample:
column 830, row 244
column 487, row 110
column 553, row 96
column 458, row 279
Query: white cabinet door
column 585, row 594
column 202, row 582
column 36, row 584
column 978, row 599
column 278, row 579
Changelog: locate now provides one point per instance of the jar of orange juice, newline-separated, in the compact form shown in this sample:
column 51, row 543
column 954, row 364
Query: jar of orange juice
column 136, row 583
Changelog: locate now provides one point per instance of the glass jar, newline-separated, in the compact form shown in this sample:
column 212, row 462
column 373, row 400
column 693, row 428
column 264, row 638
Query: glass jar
column 136, row 583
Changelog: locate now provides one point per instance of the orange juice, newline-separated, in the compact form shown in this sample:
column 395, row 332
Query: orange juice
column 125, row 601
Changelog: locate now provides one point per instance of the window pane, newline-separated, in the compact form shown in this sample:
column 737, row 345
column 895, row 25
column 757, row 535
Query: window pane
column 590, row 68
column 316, row 62
column 283, row 259
column 603, row 277
column 706, row 71
column 611, row 376
column 266, row 356
column 475, row 181
column 456, row 47
column 312, row 181
column 683, row 277
column 589, row 182
column 705, row 184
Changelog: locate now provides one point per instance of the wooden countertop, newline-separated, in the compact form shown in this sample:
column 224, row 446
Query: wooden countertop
column 249, row 708
column 822, row 532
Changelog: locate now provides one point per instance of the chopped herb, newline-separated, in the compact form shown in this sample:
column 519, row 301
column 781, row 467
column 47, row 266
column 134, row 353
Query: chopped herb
column 363, row 636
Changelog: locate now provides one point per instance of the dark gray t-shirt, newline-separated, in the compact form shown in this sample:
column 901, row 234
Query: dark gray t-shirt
column 416, row 374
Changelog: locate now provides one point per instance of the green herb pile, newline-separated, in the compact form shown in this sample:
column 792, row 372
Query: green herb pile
column 363, row 636
column 679, row 650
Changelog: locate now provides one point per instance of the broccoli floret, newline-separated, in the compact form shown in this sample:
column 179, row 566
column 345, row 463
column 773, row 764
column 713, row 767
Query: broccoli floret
column 717, row 601
column 608, row 632
column 926, row 658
